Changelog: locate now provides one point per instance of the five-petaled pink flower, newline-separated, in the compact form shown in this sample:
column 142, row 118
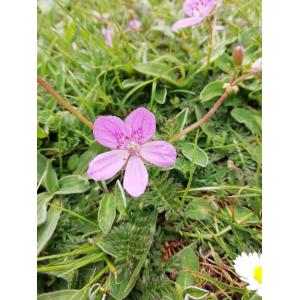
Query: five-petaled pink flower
column 131, row 147
column 108, row 35
column 197, row 10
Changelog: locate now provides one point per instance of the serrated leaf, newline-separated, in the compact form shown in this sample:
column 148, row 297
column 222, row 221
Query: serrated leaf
column 50, row 180
column 129, row 244
column 212, row 90
column 73, row 184
column 188, row 261
column 200, row 156
column 42, row 201
column 107, row 212
column 46, row 230
column 248, row 118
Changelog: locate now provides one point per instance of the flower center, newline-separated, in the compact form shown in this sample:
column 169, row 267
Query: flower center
column 133, row 148
column 257, row 274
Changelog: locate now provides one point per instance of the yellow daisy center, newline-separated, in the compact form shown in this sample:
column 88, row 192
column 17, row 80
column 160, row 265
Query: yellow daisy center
column 257, row 274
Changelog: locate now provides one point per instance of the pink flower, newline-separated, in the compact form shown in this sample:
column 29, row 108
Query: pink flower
column 108, row 35
column 131, row 147
column 135, row 24
column 197, row 10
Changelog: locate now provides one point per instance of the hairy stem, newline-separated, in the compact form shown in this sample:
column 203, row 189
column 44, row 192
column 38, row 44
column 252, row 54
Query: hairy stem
column 64, row 103
column 212, row 111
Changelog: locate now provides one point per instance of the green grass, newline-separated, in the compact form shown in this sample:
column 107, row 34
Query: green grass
column 207, row 213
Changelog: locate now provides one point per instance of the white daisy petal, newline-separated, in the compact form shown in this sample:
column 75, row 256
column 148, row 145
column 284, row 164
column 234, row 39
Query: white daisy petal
column 249, row 268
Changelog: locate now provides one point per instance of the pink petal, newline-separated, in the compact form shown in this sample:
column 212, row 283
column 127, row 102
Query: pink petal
column 107, row 165
column 187, row 22
column 109, row 131
column 108, row 34
column 209, row 7
column 159, row 153
column 136, row 177
column 135, row 24
column 196, row 8
column 141, row 125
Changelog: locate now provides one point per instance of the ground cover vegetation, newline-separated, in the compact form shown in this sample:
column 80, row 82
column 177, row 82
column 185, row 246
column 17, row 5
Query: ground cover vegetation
column 178, row 239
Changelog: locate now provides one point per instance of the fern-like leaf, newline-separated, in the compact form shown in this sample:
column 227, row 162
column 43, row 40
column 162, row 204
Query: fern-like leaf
column 129, row 244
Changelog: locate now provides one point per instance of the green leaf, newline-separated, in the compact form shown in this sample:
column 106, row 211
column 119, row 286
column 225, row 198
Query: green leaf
column 194, row 292
column 249, row 35
column 42, row 201
column 200, row 157
column 159, row 70
column 129, row 243
column 46, row 230
column 218, row 283
column 248, row 118
column 70, row 31
column 60, row 274
column 120, row 199
column 63, row 295
column 198, row 209
column 212, row 90
column 188, row 261
column 136, row 88
column 50, row 180
column 73, row 264
column 84, row 161
column 180, row 119
column 41, row 133
column 251, row 54
column 73, row 162
column 242, row 215
column 129, row 83
column 41, row 166
column 225, row 63
column 252, row 85
column 161, row 95
column 73, row 184
column 107, row 212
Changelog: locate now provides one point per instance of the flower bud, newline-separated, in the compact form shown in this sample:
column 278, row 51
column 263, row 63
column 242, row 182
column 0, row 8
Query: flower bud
column 238, row 54
column 257, row 66
column 230, row 88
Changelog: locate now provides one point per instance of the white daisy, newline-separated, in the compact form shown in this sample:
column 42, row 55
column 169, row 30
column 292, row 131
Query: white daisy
column 249, row 267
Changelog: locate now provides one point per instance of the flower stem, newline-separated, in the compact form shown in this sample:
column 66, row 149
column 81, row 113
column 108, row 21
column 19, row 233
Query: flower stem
column 212, row 111
column 64, row 103
column 210, row 41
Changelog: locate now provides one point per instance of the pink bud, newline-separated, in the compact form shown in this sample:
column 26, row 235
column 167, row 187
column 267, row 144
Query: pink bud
column 257, row 66
column 238, row 54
